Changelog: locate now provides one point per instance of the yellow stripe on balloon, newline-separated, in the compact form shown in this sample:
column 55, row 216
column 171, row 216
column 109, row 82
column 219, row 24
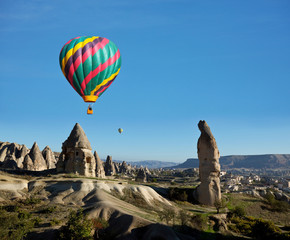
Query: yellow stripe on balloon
column 73, row 50
column 105, row 82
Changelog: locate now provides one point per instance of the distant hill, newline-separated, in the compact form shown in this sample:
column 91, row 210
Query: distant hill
column 150, row 163
column 268, row 161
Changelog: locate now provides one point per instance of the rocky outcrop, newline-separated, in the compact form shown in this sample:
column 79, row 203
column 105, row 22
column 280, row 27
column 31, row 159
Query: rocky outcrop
column 141, row 175
column 10, row 152
column 28, row 164
column 209, row 168
column 100, row 172
column 124, row 168
column 10, row 162
column 12, row 149
column 35, row 155
column 109, row 167
column 76, row 156
column 22, row 153
column 49, row 157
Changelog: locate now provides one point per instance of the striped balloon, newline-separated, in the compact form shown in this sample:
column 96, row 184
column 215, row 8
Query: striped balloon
column 90, row 64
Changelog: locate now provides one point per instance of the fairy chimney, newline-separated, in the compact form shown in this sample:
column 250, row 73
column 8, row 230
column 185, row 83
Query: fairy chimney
column 109, row 167
column 141, row 175
column 209, row 189
column 49, row 157
column 35, row 155
column 27, row 163
column 100, row 172
column 76, row 156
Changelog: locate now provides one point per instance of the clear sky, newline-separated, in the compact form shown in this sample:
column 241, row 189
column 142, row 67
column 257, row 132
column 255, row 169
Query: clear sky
column 226, row 62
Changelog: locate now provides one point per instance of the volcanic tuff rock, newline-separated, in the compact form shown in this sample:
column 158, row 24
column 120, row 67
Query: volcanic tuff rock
column 209, row 168
column 109, row 167
column 35, row 154
column 35, row 161
column 77, row 139
column 141, row 175
column 100, row 172
column 76, row 156
column 10, row 162
column 27, row 163
column 49, row 157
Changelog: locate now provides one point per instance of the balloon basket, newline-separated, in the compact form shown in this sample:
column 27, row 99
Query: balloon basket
column 90, row 110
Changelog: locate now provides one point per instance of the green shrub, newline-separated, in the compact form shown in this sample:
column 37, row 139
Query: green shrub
column 11, row 208
column 49, row 209
column 154, row 180
column 262, row 229
column 77, row 227
column 177, row 194
column 167, row 214
column 276, row 205
column 184, row 217
column 32, row 201
column 54, row 222
column 199, row 221
column 237, row 211
column 14, row 228
column 22, row 214
column 220, row 204
column 36, row 221
column 257, row 228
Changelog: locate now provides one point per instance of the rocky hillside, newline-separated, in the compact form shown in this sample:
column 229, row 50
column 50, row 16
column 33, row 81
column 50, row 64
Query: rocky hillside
column 17, row 156
column 267, row 161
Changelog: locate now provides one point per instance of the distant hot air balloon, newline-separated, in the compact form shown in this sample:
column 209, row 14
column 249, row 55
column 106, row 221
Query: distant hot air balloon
column 90, row 64
column 120, row 130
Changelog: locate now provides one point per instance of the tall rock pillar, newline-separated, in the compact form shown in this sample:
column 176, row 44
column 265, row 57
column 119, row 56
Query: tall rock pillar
column 209, row 189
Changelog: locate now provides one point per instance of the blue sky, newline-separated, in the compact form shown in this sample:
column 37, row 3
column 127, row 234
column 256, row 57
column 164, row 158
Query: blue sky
column 226, row 62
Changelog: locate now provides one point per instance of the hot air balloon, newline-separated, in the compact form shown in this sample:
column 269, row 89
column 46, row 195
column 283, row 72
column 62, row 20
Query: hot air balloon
column 90, row 64
column 120, row 130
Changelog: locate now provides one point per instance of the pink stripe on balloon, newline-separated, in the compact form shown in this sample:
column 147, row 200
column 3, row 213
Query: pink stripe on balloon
column 83, row 58
column 97, row 47
column 69, row 42
column 99, row 69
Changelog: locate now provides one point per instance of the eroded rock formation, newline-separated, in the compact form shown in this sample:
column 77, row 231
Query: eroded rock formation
column 76, row 156
column 100, row 172
column 35, row 155
column 209, row 168
column 109, row 167
column 49, row 157
column 141, row 175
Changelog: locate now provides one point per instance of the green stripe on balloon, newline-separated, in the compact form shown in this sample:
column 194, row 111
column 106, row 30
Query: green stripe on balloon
column 98, row 79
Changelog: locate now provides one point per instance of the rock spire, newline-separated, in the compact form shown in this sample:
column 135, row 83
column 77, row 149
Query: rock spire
column 76, row 156
column 37, row 158
column 77, row 139
column 209, row 168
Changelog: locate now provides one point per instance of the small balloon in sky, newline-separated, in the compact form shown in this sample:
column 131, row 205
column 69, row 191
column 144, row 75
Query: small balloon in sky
column 90, row 64
column 120, row 130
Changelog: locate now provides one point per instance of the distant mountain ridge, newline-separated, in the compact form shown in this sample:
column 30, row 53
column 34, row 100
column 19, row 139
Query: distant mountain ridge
column 266, row 161
column 150, row 163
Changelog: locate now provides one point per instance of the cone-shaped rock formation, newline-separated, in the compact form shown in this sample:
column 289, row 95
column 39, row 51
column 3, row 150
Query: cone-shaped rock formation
column 37, row 158
column 77, row 139
column 76, row 156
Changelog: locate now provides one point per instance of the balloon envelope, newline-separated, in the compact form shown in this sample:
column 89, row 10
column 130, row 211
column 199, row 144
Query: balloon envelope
column 90, row 64
column 120, row 130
